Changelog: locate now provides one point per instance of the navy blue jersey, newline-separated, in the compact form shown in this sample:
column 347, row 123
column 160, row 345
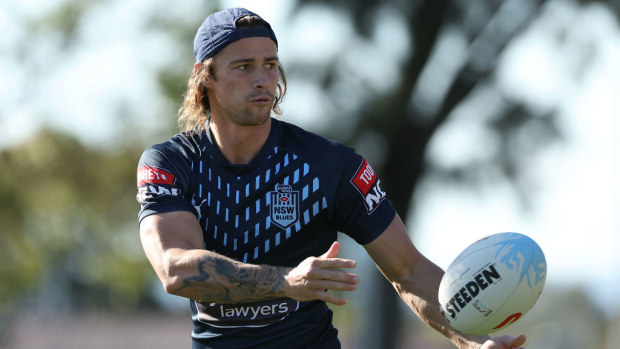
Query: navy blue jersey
column 287, row 204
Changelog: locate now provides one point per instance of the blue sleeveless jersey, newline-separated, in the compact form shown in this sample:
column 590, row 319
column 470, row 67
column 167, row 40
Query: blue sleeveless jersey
column 287, row 204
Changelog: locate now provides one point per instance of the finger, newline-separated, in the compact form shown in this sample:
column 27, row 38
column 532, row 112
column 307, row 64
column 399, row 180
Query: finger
column 333, row 263
column 518, row 341
column 333, row 275
column 325, row 285
column 333, row 251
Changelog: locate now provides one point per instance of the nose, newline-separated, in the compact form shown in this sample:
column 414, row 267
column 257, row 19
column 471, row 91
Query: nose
column 262, row 78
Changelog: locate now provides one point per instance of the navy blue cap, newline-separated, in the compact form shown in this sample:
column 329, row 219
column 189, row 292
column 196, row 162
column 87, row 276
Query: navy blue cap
column 220, row 29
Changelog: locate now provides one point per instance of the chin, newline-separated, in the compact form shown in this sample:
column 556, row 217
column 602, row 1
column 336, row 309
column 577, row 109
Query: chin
column 250, row 117
column 254, row 121
column 261, row 119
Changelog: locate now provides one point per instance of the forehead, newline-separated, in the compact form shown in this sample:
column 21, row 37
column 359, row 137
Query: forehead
column 248, row 48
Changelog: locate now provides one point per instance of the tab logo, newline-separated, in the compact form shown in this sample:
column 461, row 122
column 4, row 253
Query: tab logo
column 147, row 174
column 367, row 183
column 284, row 206
column 148, row 191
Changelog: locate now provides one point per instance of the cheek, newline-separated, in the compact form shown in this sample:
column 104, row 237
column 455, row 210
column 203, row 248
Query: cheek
column 231, row 93
column 235, row 88
column 275, row 76
column 228, row 86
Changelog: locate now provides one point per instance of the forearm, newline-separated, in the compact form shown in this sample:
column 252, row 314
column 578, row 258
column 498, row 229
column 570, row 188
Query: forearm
column 207, row 276
column 417, row 279
column 421, row 297
column 173, row 244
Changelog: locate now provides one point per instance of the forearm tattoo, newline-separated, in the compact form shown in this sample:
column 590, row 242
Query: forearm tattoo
column 222, row 280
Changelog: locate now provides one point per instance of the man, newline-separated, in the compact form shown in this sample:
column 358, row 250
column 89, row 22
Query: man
column 240, row 211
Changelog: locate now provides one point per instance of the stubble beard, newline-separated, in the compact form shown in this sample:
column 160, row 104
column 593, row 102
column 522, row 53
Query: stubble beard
column 250, row 114
column 254, row 116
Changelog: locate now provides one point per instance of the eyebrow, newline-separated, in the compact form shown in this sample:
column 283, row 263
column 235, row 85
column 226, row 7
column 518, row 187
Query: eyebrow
column 250, row 60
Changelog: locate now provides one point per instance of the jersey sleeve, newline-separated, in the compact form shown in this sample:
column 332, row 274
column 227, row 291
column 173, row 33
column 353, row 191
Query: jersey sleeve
column 163, row 179
column 362, row 209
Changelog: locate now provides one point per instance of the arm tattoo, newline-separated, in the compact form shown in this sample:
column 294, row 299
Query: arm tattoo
column 225, row 281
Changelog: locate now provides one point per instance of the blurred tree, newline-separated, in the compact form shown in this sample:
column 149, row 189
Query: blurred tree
column 67, row 209
column 395, row 124
column 68, row 224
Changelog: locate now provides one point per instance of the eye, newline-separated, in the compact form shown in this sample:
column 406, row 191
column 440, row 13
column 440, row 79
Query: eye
column 242, row 67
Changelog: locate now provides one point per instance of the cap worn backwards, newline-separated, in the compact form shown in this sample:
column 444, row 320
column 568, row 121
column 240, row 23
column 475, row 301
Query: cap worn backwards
column 220, row 29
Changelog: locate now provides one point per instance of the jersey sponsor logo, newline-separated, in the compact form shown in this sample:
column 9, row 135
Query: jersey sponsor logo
column 367, row 183
column 149, row 175
column 147, row 191
column 284, row 206
column 259, row 313
column 483, row 279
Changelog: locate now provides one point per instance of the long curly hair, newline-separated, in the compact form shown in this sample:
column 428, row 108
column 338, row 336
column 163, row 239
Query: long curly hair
column 195, row 110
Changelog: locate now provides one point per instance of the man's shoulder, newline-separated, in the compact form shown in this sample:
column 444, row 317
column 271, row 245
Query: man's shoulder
column 184, row 143
column 298, row 140
column 328, row 158
column 180, row 147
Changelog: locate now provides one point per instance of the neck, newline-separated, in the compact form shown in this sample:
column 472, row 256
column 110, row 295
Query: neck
column 240, row 144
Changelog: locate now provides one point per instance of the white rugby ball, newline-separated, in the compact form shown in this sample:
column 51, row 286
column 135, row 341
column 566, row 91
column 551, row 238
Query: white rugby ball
column 492, row 283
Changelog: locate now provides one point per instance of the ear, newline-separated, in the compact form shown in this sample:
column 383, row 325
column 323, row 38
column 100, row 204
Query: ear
column 196, row 66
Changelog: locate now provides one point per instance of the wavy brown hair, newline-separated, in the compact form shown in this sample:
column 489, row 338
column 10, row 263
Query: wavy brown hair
column 195, row 109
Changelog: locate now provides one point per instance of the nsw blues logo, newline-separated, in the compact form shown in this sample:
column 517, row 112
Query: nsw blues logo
column 284, row 206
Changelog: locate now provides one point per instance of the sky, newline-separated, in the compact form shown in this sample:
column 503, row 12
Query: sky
column 574, row 217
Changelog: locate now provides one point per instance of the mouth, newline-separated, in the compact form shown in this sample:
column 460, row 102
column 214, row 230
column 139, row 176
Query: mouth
column 262, row 100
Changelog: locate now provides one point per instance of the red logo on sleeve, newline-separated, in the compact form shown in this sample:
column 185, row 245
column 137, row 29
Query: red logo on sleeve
column 151, row 175
column 367, row 183
column 364, row 178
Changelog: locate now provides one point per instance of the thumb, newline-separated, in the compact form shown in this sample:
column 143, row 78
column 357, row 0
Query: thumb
column 333, row 251
column 518, row 341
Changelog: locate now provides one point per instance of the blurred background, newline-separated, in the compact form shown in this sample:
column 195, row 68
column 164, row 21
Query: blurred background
column 479, row 116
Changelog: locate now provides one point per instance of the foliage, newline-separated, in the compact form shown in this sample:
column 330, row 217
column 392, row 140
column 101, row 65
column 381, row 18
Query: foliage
column 68, row 217
column 68, row 214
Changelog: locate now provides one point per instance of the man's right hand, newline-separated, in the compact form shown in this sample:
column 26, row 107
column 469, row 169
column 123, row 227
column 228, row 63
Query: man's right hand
column 313, row 277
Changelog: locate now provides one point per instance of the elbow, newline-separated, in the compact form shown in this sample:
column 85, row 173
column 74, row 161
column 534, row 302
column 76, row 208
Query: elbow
column 398, row 274
column 172, row 285
column 170, row 278
column 401, row 278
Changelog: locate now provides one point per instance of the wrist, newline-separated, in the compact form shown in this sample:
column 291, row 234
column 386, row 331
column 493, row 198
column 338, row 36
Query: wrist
column 285, row 283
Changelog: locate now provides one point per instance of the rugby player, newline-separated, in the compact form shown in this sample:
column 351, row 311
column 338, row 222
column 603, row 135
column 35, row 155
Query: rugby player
column 240, row 210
